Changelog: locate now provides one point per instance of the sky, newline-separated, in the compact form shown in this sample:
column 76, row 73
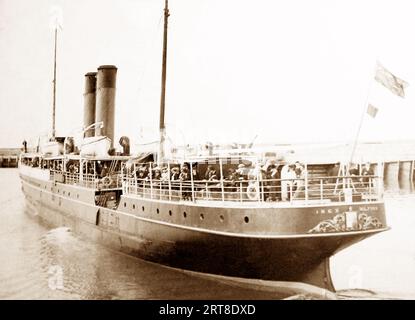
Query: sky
column 284, row 71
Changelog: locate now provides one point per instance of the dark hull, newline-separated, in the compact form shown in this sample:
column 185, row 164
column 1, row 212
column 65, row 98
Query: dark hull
column 301, row 258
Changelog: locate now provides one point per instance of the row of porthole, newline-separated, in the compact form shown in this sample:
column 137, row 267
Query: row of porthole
column 69, row 194
column 201, row 216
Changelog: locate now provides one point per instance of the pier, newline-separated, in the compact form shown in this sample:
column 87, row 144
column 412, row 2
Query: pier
column 393, row 160
column 9, row 157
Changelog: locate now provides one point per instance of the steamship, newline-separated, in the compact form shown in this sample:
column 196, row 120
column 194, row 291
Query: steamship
column 213, row 213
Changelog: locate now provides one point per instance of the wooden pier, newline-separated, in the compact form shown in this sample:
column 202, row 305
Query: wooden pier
column 394, row 160
column 9, row 157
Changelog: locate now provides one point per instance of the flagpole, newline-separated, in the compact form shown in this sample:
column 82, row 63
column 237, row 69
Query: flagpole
column 362, row 116
column 54, row 85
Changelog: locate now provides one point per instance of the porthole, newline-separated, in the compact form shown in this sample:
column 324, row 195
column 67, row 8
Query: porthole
column 202, row 216
column 170, row 213
column 246, row 219
column 142, row 208
column 69, row 194
column 133, row 206
column 125, row 204
column 222, row 218
column 77, row 196
column 158, row 211
column 184, row 214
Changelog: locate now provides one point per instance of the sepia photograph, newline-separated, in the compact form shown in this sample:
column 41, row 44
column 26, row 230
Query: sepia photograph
column 183, row 150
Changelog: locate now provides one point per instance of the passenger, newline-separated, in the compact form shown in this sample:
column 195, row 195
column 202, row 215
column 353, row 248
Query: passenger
column 230, row 180
column 255, row 172
column 184, row 173
column 35, row 162
column 165, row 175
column 175, row 178
column 76, row 167
column 195, row 172
column 241, row 172
column 213, row 176
column 333, row 173
column 274, row 183
column 142, row 171
column 354, row 173
column 300, row 180
column 24, row 146
column 210, row 172
column 105, row 171
column 258, row 173
column 128, row 168
column 98, row 167
column 298, row 168
column 287, row 181
column 175, row 174
column 367, row 172
column 184, row 178
column 196, row 177
column 156, row 174
column 354, row 170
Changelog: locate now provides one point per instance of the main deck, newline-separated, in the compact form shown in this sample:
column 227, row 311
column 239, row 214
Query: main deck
column 196, row 194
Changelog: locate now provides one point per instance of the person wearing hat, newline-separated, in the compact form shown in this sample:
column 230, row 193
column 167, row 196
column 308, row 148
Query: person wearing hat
column 300, row 181
column 230, row 179
column 157, row 173
column 241, row 172
column 367, row 171
column 184, row 178
column 209, row 172
column 287, row 181
column 175, row 178
column 175, row 174
column 165, row 174
column 274, row 182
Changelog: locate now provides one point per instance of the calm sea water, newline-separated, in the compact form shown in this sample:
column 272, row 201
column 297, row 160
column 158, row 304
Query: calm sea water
column 37, row 262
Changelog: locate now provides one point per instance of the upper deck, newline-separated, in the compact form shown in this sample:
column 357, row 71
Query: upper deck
column 248, row 182
column 226, row 182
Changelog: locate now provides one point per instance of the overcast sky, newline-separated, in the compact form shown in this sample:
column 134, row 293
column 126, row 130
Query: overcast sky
column 289, row 71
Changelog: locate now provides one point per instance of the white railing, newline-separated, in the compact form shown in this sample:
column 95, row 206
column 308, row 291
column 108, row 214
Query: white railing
column 311, row 190
column 111, row 181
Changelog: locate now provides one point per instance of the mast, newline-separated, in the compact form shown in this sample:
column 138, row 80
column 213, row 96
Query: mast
column 162, row 126
column 54, row 86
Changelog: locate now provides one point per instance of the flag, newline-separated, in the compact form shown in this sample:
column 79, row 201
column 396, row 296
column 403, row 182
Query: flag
column 372, row 111
column 390, row 81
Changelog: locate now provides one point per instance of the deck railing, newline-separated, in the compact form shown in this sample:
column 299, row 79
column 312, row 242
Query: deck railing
column 88, row 180
column 311, row 190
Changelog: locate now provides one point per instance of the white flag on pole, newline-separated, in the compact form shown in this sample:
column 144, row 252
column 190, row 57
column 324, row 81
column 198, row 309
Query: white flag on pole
column 389, row 80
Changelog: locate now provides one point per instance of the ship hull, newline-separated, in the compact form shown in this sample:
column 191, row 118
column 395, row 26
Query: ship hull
column 301, row 258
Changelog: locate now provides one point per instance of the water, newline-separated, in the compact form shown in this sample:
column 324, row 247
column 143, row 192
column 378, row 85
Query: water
column 37, row 262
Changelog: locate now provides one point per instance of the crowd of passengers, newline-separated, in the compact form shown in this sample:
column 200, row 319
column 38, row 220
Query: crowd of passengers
column 277, row 181
column 358, row 177
column 72, row 166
